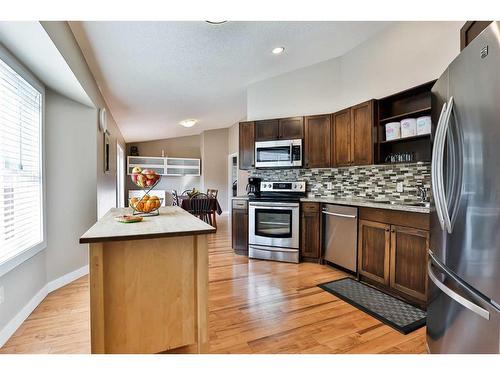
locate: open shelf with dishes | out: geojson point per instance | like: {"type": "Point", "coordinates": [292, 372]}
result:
{"type": "Point", "coordinates": [412, 103]}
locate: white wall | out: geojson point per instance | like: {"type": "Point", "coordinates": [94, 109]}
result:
{"type": "Point", "coordinates": [399, 57]}
{"type": "Point", "coordinates": [70, 139]}
{"type": "Point", "coordinates": [214, 151]}
{"type": "Point", "coordinates": [64, 40]}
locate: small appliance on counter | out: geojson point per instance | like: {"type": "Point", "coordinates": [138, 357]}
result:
{"type": "Point", "coordinates": [273, 221]}
{"type": "Point", "coordinates": [253, 187]}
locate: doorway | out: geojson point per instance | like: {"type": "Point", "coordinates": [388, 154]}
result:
{"type": "Point", "coordinates": [120, 176]}
{"type": "Point", "coordinates": [232, 178]}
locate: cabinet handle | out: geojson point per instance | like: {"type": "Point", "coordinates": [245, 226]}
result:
{"type": "Point", "coordinates": [387, 230]}
{"type": "Point", "coordinates": [392, 231]}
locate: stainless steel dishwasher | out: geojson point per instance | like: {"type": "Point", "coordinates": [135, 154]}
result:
{"type": "Point", "coordinates": [340, 235]}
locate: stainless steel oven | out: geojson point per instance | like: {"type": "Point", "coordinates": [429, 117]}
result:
{"type": "Point", "coordinates": [283, 153]}
{"type": "Point", "coordinates": [273, 222]}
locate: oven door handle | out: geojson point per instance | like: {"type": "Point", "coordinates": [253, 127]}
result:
{"type": "Point", "coordinates": [275, 205]}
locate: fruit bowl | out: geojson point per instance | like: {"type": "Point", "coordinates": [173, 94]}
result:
{"type": "Point", "coordinates": [146, 205]}
{"type": "Point", "coordinates": [145, 179]}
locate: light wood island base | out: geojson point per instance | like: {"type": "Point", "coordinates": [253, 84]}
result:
{"type": "Point", "coordinates": [150, 295]}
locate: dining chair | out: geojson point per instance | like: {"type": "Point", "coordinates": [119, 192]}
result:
{"type": "Point", "coordinates": [199, 205]}
{"type": "Point", "coordinates": [212, 193]}
{"type": "Point", "coordinates": [175, 198]}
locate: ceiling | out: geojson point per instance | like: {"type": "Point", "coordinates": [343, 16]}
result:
{"type": "Point", "coordinates": [155, 74]}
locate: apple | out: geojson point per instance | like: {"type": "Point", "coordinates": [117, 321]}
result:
{"type": "Point", "coordinates": [141, 180]}
{"type": "Point", "coordinates": [150, 182]}
{"type": "Point", "coordinates": [136, 170]}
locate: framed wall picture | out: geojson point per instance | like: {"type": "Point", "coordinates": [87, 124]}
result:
{"type": "Point", "coordinates": [107, 152]}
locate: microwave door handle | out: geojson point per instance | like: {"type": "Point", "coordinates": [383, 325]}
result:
{"type": "Point", "coordinates": [435, 165]}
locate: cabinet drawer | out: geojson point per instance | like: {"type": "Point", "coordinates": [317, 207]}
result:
{"type": "Point", "coordinates": [240, 204]}
{"type": "Point", "coordinates": [407, 219]}
{"type": "Point", "coordinates": [310, 207]}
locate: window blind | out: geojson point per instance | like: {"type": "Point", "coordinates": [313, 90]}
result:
{"type": "Point", "coordinates": [21, 219]}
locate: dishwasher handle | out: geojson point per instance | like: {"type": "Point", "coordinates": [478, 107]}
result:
{"type": "Point", "coordinates": [339, 215]}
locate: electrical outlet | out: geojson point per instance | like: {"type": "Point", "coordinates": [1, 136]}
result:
{"type": "Point", "coordinates": [329, 185]}
{"type": "Point", "coordinates": [2, 295]}
{"type": "Point", "coordinates": [399, 187]}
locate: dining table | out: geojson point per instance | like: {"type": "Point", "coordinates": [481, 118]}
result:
{"type": "Point", "coordinates": [185, 203]}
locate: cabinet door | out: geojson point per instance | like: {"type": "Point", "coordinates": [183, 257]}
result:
{"type": "Point", "coordinates": [362, 133]}
{"type": "Point", "coordinates": [291, 128]}
{"type": "Point", "coordinates": [310, 231]}
{"type": "Point", "coordinates": [317, 141]}
{"type": "Point", "coordinates": [341, 138]}
{"type": "Point", "coordinates": [239, 221]}
{"type": "Point", "coordinates": [409, 260]}
{"type": "Point", "coordinates": [266, 130]}
{"type": "Point", "coordinates": [374, 250]}
{"type": "Point", "coordinates": [247, 145]}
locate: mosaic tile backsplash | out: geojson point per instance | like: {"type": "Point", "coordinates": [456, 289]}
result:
{"type": "Point", "coordinates": [368, 182]}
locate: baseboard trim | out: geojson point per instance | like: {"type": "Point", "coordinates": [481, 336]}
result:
{"type": "Point", "coordinates": [12, 326]}
{"type": "Point", "coordinates": [66, 279]}
{"type": "Point", "coordinates": [21, 316]}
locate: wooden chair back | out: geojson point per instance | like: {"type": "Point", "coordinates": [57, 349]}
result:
{"type": "Point", "coordinates": [212, 193]}
{"type": "Point", "coordinates": [175, 198]}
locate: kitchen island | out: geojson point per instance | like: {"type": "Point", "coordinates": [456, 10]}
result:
{"type": "Point", "coordinates": [149, 283]}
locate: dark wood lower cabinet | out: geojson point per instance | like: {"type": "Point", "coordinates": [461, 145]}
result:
{"type": "Point", "coordinates": [239, 226]}
{"type": "Point", "coordinates": [408, 269]}
{"type": "Point", "coordinates": [374, 250]}
{"type": "Point", "coordinates": [310, 235]}
{"type": "Point", "coordinates": [392, 255]}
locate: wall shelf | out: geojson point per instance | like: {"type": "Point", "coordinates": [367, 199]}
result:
{"type": "Point", "coordinates": [415, 113]}
{"type": "Point", "coordinates": [407, 139]}
{"type": "Point", "coordinates": [413, 102]}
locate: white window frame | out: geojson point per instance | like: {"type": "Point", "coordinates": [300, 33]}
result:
{"type": "Point", "coordinates": [15, 260]}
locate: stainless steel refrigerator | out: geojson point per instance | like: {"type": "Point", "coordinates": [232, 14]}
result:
{"type": "Point", "coordinates": [464, 255]}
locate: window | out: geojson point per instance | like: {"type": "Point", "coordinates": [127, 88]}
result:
{"type": "Point", "coordinates": [21, 193]}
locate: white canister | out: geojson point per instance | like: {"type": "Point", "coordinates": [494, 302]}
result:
{"type": "Point", "coordinates": [424, 125]}
{"type": "Point", "coordinates": [392, 131]}
{"type": "Point", "coordinates": [408, 127]}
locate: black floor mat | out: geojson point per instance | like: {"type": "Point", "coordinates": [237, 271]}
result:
{"type": "Point", "coordinates": [392, 311]}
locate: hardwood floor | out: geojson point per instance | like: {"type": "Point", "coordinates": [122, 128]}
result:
{"type": "Point", "coordinates": [255, 307]}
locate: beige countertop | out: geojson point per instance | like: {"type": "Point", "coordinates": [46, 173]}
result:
{"type": "Point", "coordinates": [172, 222]}
{"type": "Point", "coordinates": [368, 203]}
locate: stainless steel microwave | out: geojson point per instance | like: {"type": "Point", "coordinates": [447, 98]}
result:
{"type": "Point", "coordinates": [282, 153]}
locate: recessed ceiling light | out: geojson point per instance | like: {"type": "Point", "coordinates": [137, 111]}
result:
{"type": "Point", "coordinates": [278, 50]}
{"type": "Point", "coordinates": [215, 22]}
{"type": "Point", "coordinates": [188, 122]}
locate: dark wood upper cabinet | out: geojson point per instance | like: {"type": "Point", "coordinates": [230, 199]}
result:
{"type": "Point", "coordinates": [317, 151]}
{"type": "Point", "coordinates": [267, 130]}
{"type": "Point", "coordinates": [291, 128]}
{"type": "Point", "coordinates": [362, 133]}
{"type": "Point", "coordinates": [354, 135]}
{"type": "Point", "coordinates": [408, 261]}
{"type": "Point", "coordinates": [284, 128]}
{"type": "Point", "coordinates": [247, 145]}
{"type": "Point", "coordinates": [341, 138]}
{"type": "Point", "coordinates": [470, 30]}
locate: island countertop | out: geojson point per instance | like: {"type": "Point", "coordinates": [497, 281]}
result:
{"type": "Point", "coordinates": [172, 222]}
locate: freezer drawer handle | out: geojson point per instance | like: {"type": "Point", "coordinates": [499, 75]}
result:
{"type": "Point", "coordinates": [457, 297]}
{"type": "Point", "coordinates": [340, 215]}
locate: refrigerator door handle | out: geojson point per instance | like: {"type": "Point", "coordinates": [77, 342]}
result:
{"type": "Point", "coordinates": [435, 165]}
{"type": "Point", "coordinates": [451, 293]}
{"type": "Point", "coordinates": [446, 126]}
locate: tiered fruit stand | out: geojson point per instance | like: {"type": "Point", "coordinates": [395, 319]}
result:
{"type": "Point", "coordinates": [147, 205]}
